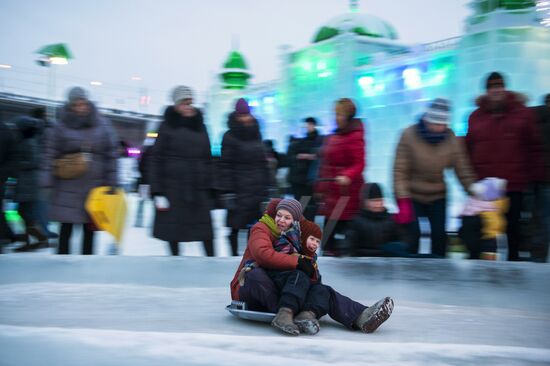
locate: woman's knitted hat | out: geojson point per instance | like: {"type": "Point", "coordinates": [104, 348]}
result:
{"type": "Point", "coordinates": [292, 206]}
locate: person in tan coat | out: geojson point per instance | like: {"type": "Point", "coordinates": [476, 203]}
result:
{"type": "Point", "coordinates": [424, 151]}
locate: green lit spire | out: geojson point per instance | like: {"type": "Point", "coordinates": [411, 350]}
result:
{"type": "Point", "coordinates": [235, 73]}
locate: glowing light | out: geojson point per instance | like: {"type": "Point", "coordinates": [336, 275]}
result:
{"type": "Point", "coordinates": [366, 81]}
{"type": "Point", "coordinates": [58, 61]}
{"type": "Point", "coordinates": [133, 151]}
{"type": "Point", "coordinates": [96, 83]}
{"type": "Point", "coordinates": [412, 77]}
{"type": "Point", "coordinates": [253, 103]}
{"type": "Point", "coordinates": [369, 87]}
{"type": "Point", "coordinates": [153, 135]}
{"type": "Point", "coordinates": [4, 66]}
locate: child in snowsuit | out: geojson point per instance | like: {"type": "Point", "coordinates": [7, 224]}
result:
{"type": "Point", "coordinates": [483, 218]}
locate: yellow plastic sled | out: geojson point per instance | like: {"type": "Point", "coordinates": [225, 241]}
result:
{"type": "Point", "coordinates": [108, 211]}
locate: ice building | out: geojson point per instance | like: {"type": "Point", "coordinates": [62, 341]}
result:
{"type": "Point", "coordinates": [360, 56]}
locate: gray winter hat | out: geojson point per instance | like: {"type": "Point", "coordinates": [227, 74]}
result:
{"type": "Point", "coordinates": [77, 93]}
{"type": "Point", "coordinates": [438, 112]}
{"type": "Point", "coordinates": [180, 93]}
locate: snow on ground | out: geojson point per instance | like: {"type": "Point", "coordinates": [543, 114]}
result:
{"type": "Point", "coordinates": [147, 308]}
{"type": "Point", "coordinates": [123, 310]}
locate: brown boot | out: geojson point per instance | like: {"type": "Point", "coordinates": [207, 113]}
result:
{"type": "Point", "coordinates": [307, 322]}
{"type": "Point", "coordinates": [373, 317]}
{"type": "Point", "coordinates": [284, 320]}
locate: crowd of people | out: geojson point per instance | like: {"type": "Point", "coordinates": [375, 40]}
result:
{"type": "Point", "coordinates": [56, 163]}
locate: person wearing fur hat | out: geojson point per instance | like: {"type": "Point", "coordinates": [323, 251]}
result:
{"type": "Point", "coordinates": [243, 173]}
{"type": "Point", "coordinates": [261, 260]}
{"type": "Point", "coordinates": [425, 150]}
{"type": "Point", "coordinates": [342, 159]}
{"type": "Point", "coordinates": [180, 176]}
{"type": "Point", "coordinates": [503, 142]}
{"type": "Point", "coordinates": [81, 129]}
{"type": "Point", "coordinates": [483, 218]}
{"type": "Point", "coordinates": [373, 232]}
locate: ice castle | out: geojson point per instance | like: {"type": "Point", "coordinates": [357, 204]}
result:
{"type": "Point", "coordinates": [360, 56]}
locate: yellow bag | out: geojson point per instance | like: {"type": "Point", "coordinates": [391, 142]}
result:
{"type": "Point", "coordinates": [108, 211]}
{"type": "Point", "coordinates": [71, 166]}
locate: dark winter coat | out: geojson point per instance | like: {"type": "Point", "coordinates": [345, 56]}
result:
{"type": "Point", "coordinates": [8, 151]}
{"type": "Point", "coordinates": [505, 144]}
{"type": "Point", "coordinates": [300, 170]}
{"type": "Point", "coordinates": [28, 159]}
{"type": "Point", "coordinates": [144, 164]}
{"type": "Point", "coordinates": [369, 231]}
{"type": "Point", "coordinates": [543, 116]}
{"type": "Point", "coordinates": [181, 172]}
{"type": "Point", "coordinates": [343, 153]}
{"type": "Point", "coordinates": [73, 134]}
{"type": "Point", "coordinates": [243, 170]}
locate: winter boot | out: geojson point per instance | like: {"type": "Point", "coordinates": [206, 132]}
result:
{"type": "Point", "coordinates": [285, 322]}
{"type": "Point", "coordinates": [27, 247]}
{"type": "Point", "coordinates": [307, 322]}
{"type": "Point", "coordinates": [373, 317]}
{"type": "Point", "coordinates": [40, 236]}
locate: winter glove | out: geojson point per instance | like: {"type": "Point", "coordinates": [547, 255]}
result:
{"type": "Point", "coordinates": [406, 211]}
{"type": "Point", "coordinates": [162, 203]}
{"type": "Point", "coordinates": [306, 265]}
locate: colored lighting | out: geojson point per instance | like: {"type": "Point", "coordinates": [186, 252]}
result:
{"type": "Point", "coordinates": [412, 77]}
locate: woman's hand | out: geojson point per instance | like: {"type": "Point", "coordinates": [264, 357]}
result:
{"type": "Point", "coordinates": [342, 180]}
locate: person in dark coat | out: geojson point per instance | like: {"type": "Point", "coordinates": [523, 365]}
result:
{"type": "Point", "coordinates": [8, 153]}
{"type": "Point", "coordinates": [541, 209]}
{"type": "Point", "coordinates": [303, 164]}
{"type": "Point", "coordinates": [243, 173]}
{"type": "Point", "coordinates": [503, 142]}
{"type": "Point", "coordinates": [341, 173]}
{"type": "Point", "coordinates": [373, 232]}
{"type": "Point", "coordinates": [41, 206]}
{"type": "Point", "coordinates": [181, 176]}
{"type": "Point", "coordinates": [80, 129]}
{"type": "Point", "coordinates": [26, 189]}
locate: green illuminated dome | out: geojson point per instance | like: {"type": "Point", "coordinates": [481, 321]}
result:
{"type": "Point", "coordinates": [361, 24]}
{"type": "Point", "coordinates": [486, 6]}
{"type": "Point", "coordinates": [235, 73]}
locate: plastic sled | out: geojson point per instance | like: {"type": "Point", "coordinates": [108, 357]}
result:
{"type": "Point", "coordinates": [239, 309]}
{"type": "Point", "coordinates": [108, 211]}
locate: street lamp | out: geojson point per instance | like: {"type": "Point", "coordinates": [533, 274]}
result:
{"type": "Point", "coordinates": [52, 55]}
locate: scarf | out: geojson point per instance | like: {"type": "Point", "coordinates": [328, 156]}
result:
{"type": "Point", "coordinates": [289, 241]}
{"type": "Point", "coordinates": [427, 135]}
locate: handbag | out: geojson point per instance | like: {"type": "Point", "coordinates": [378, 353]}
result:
{"type": "Point", "coordinates": [71, 166]}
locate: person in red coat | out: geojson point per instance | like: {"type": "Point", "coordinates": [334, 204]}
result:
{"type": "Point", "coordinates": [503, 142]}
{"type": "Point", "coordinates": [341, 173]}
